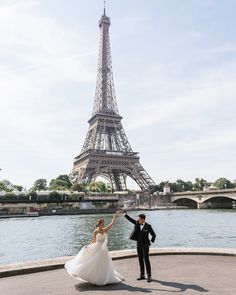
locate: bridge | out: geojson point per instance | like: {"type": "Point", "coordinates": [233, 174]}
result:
{"type": "Point", "coordinates": [222, 198]}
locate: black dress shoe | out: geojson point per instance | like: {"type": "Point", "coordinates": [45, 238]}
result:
{"type": "Point", "coordinates": [141, 278]}
{"type": "Point", "coordinates": [149, 279]}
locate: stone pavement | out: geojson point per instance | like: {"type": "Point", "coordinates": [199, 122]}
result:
{"type": "Point", "coordinates": [181, 274]}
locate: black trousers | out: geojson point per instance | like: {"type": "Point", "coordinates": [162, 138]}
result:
{"type": "Point", "coordinates": [143, 256]}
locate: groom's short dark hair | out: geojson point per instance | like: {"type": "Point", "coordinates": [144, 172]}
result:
{"type": "Point", "coordinates": [142, 216]}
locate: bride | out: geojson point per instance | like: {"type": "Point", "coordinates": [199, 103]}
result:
{"type": "Point", "coordinates": [93, 262]}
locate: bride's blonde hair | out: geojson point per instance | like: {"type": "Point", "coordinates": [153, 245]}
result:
{"type": "Point", "coordinates": [99, 221]}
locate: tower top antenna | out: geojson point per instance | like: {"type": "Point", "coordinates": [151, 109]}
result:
{"type": "Point", "coordinates": [104, 7]}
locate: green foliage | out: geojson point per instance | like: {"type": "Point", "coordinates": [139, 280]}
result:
{"type": "Point", "coordinates": [181, 186]}
{"type": "Point", "coordinates": [22, 197]}
{"type": "Point", "coordinates": [109, 188]}
{"type": "Point", "coordinates": [58, 185]}
{"type": "Point", "coordinates": [54, 196]}
{"type": "Point", "coordinates": [65, 178]}
{"type": "Point", "coordinates": [2, 186]}
{"type": "Point", "coordinates": [199, 184]}
{"type": "Point", "coordinates": [153, 188]}
{"type": "Point", "coordinates": [223, 183]}
{"type": "Point", "coordinates": [32, 194]}
{"type": "Point", "coordinates": [161, 186]}
{"type": "Point", "coordinates": [6, 186]}
{"type": "Point", "coordinates": [39, 185]}
{"type": "Point", "coordinates": [10, 196]}
{"type": "Point", "coordinates": [174, 187]}
{"type": "Point", "coordinates": [97, 186]}
{"type": "Point", "coordinates": [62, 182]}
{"type": "Point", "coordinates": [18, 187]}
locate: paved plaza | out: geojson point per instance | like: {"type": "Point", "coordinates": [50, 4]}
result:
{"type": "Point", "coordinates": [180, 274]}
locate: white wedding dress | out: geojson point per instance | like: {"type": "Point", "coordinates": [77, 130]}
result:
{"type": "Point", "coordinates": [93, 264]}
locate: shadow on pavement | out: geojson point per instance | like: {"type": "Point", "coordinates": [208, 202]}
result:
{"type": "Point", "coordinates": [86, 287]}
{"type": "Point", "coordinates": [180, 286]}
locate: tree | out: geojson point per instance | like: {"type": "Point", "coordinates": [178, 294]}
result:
{"type": "Point", "coordinates": [2, 186]}
{"type": "Point", "coordinates": [62, 182]}
{"type": "Point", "coordinates": [18, 187]}
{"type": "Point", "coordinates": [39, 185]}
{"type": "Point", "coordinates": [109, 187]}
{"type": "Point", "coordinates": [6, 186]}
{"type": "Point", "coordinates": [174, 187]}
{"type": "Point", "coordinates": [160, 187]}
{"type": "Point", "coordinates": [181, 186]}
{"type": "Point", "coordinates": [102, 186]}
{"type": "Point", "coordinates": [65, 178]}
{"type": "Point", "coordinates": [58, 185]}
{"type": "Point", "coordinates": [199, 184]}
{"type": "Point", "coordinates": [188, 186]}
{"type": "Point", "coordinates": [223, 183]}
{"type": "Point", "coordinates": [97, 186]}
{"type": "Point", "coordinates": [154, 188]}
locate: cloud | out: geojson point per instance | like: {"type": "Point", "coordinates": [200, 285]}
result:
{"type": "Point", "coordinates": [34, 44]}
{"type": "Point", "coordinates": [176, 91]}
{"type": "Point", "coordinates": [39, 58]}
{"type": "Point", "coordinates": [187, 108]}
{"type": "Point", "coordinates": [211, 143]}
{"type": "Point", "coordinates": [225, 48]}
{"type": "Point", "coordinates": [185, 125]}
{"type": "Point", "coordinates": [132, 22]}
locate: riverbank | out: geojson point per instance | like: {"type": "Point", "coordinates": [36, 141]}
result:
{"type": "Point", "coordinates": [60, 211]}
{"type": "Point", "coordinates": [53, 212]}
{"type": "Point", "coordinates": [174, 270]}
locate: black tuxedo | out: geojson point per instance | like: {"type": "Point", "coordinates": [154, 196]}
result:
{"type": "Point", "coordinates": [143, 243]}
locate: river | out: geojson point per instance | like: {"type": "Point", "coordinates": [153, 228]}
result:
{"type": "Point", "coordinates": [24, 239]}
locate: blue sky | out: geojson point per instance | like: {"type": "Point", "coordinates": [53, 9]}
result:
{"type": "Point", "coordinates": [174, 64]}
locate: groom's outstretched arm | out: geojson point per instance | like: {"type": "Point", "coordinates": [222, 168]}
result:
{"type": "Point", "coordinates": [129, 218]}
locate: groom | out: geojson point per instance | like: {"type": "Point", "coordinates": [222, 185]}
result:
{"type": "Point", "coordinates": [140, 234]}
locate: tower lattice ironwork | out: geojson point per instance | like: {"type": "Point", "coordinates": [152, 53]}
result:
{"type": "Point", "coordinates": [106, 151]}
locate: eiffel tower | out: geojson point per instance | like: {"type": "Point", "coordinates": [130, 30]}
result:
{"type": "Point", "coordinates": [106, 151]}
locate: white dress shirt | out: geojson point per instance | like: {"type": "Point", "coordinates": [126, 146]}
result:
{"type": "Point", "coordinates": [142, 226]}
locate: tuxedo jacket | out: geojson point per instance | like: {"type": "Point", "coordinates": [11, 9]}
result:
{"type": "Point", "coordinates": [141, 236]}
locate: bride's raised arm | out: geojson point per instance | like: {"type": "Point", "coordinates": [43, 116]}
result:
{"type": "Point", "coordinates": [106, 229]}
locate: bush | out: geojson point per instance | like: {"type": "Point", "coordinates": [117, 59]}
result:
{"type": "Point", "coordinates": [10, 196]}
{"type": "Point", "coordinates": [55, 196]}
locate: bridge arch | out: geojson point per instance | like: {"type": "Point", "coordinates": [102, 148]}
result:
{"type": "Point", "coordinates": [220, 196]}
{"type": "Point", "coordinates": [186, 202]}
{"type": "Point", "coordinates": [226, 202]}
